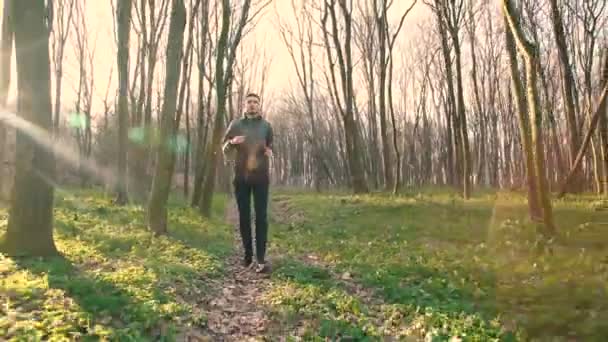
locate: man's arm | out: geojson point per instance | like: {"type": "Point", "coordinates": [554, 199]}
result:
{"type": "Point", "coordinates": [226, 145]}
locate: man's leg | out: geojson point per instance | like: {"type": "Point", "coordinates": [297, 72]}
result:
{"type": "Point", "coordinates": [242, 192]}
{"type": "Point", "coordinates": [260, 198]}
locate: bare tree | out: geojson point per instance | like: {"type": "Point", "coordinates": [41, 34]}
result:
{"type": "Point", "coordinates": [568, 86]}
{"type": "Point", "coordinates": [524, 124]}
{"type": "Point", "coordinates": [227, 47]}
{"type": "Point", "coordinates": [453, 123]}
{"type": "Point", "coordinates": [6, 52]}
{"type": "Point", "coordinates": [344, 99]}
{"type": "Point", "coordinates": [600, 111]}
{"type": "Point", "coordinates": [530, 54]}
{"type": "Point", "coordinates": [365, 38]}
{"type": "Point", "coordinates": [63, 11]}
{"type": "Point", "coordinates": [604, 130]}
{"type": "Point", "coordinates": [203, 51]}
{"type": "Point", "coordinates": [123, 20]}
{"type": "Point", "coordinates": [386, 41]}
{"type": "Point", "coordinates": [161, 185]}
{"type": "Point", "coordinates": [300, 45]}
{"type": "Point", "coordinates": [84, 97]}
{"type": "Point", "coordinates": [451, 15]}
{"type": "Point", "coordinates": [30, 222]}
{"type": "Point", "coordinates": [590, 15]}
{"type": "Point", "coordinates": [184, 88]}
{"type": "Point", "coordinates": [151, 17]}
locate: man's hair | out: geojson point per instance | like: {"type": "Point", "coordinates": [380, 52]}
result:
{"type": "Point", "coordinates": [253, 95]}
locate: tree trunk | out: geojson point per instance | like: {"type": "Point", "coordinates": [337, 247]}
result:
{"type": "Point", "coordinates": [218, 125]}
{"type": "Point", "coordinates": [123, 18]}
{"type": "Point", "coordinates": [187, 152]}
{"type": "Point", "coordinates": [30, 222]}
{"type": "Point", "coordinates": [530, 52]}
{"type": "Point", "coordinates": [397, 183]}
{"type": "Point", "coordinates": [568, 88]}
{"type": "Point", "coordinates": [481, 162]}
{"type": "Point", "coordinates": [138, 182]}
{"type": "Point", "coordinates": [6, 52]}
{"type": "Point", "coordinates": [454, 152]}
{"type": "Point", "coordinates": [464, 136]}
{"type": "Point", "coordinates": [603, 122]}
{"type": "Point", "coordinates": [601, 110]}
{"type": "Point", "coordinates": [201, 129]}
{"type": "Point", "coordinates": [163, 174]}
{"type": "Point", "coordinates": [595, 157]}
{"type": "Point", "coordinates": [524, 125]}
{"type": "Point", "coordinates": [184, 89]}
{"type": "Point", "coordinates": [382, 79]}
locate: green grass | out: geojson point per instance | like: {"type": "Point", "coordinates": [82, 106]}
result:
{"type": "Point", "coordinates": [422, 265]}
{"type": "Point", "coordinates": [442, 266]}
{"type": "Point", "coordinates": [114, 280]}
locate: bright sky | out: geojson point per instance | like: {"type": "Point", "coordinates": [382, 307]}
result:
{"type": "Point", "coordinates": [100, 27]}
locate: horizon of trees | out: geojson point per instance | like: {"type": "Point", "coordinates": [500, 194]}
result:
{"type": "Point", "coordinates": [502, 94]}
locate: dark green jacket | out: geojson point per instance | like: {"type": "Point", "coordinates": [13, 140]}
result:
{"type": "Point", "coordinates": [250, 162]}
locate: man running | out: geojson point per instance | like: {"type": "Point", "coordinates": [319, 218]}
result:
{"type": "Point", "coordinates": [250, 139]}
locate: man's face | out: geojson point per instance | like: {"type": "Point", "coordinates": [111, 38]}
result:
{"type": "Point", "coordinates": [252, 104]}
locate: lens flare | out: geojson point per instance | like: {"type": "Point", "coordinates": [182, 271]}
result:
{"type": "Point", "coordinates": [63, 151]}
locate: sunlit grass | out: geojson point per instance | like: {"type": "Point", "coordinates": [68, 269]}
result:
{"type": "Point", "coordinates": [426, 265]}
{"type": "Point", "coordinates": [114, 280]}
{"type": "Point", "coordinates": [454, 267]}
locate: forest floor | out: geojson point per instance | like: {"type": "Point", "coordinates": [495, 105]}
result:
{"type": "Point", "coordinates": [419, 266]}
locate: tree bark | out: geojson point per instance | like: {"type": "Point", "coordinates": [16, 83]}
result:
{"type": "Point", "coordinates": [530, 53]}
{"type": "Point", "coordinates": [481, 161]}
{"type": "Point", "coordinates": [600, 111]}
{"type": "Point", "coordinates": [226, 51]}
{"type": "Point", "coordinates": [344, 56]}
{"type": "Point", "coordinates": [568, 88]}
{"type": "Point", "coordinates": [187, 153]}
{"type": "Point", "coordinates": [524, 124]}
{"type": "Point", "coordinates": [455, 151]}
{"type": "Point", "coordinates": [603, 121]}
{"type": "Point", "coordinates": [163, 174]}
{"type": "Point", "coordinates": [6, 52]}
{"type": "Point", "coordinates": [381, 18]}
{"type": "Point", "coordinates": [397, 183]}
{"type": "Point", "coordinates": [30, 222]}
{"type": "Point", "coordinates": [123, 18]}
{"type": "Point", "coordinates": [184, 87]}
{"type": "Point", "coordinates": [202, 105]}
{"type": "Point", "coordinates": [450, 16]}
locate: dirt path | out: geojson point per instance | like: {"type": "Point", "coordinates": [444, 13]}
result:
{"type": "Point", "coordinates": [233, 313]}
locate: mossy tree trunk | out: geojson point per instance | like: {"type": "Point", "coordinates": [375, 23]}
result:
{"type": "Point", "coordinates": [30, 222]}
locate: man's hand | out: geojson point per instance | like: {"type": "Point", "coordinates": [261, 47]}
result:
{"type": "Point", "coordinates": [268, 152]}
{"type": "Point", "coordinates": [237, 140]}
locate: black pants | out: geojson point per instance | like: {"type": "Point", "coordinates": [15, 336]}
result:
{"type": "Point", "coordinates": [243, 191]}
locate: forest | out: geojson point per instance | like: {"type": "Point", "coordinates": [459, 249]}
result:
{"type": "Point", "coordinates": [439, 170]}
